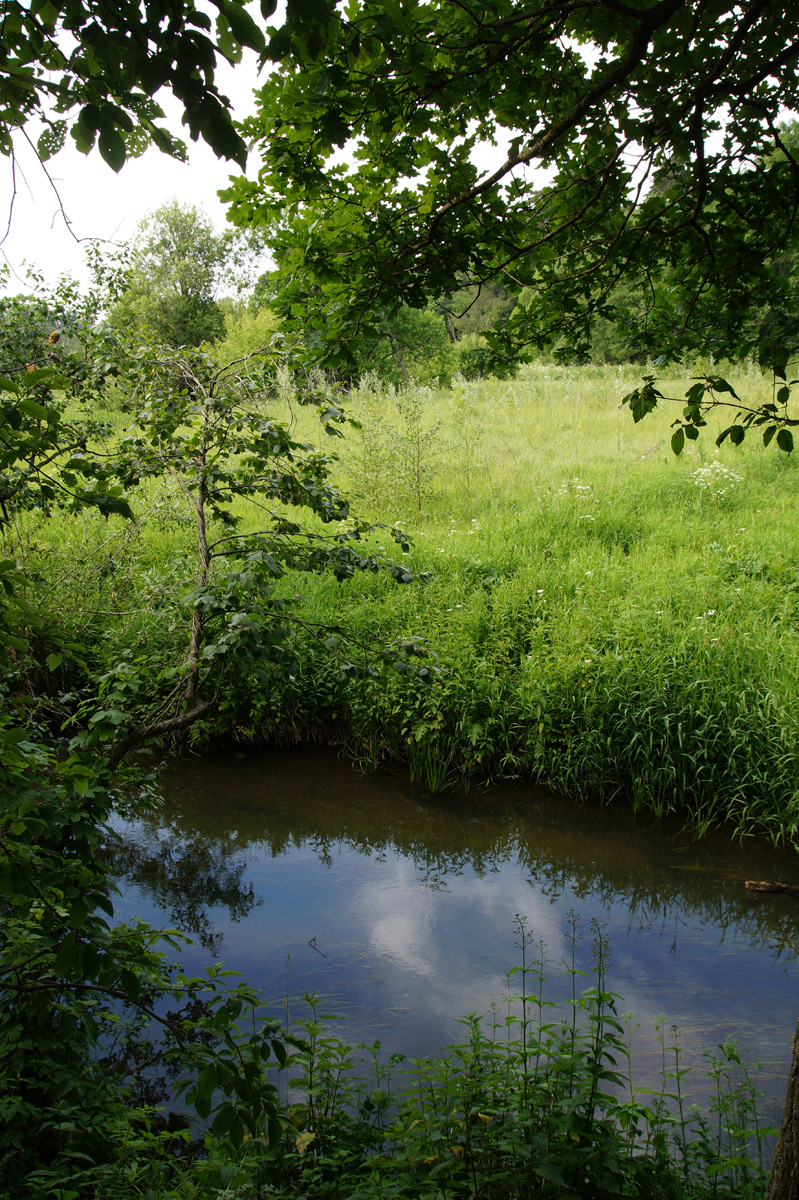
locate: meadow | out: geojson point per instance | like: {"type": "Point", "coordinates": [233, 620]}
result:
{"type": "Point", "coordinates": [600, 616]}
{"type": "Point", "coordinates": [603, 617]}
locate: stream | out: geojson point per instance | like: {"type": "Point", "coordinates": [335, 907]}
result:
{"type": "Point", "coordinates": [401, 908]}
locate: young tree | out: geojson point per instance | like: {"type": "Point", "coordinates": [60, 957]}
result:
{"type": "Point", "coordinates": [178, 262]}
{"type": "Point", "coordinates": [209, 432]}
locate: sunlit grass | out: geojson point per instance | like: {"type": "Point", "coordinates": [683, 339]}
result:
{"type": "Point", "coordinates": [607, 618]}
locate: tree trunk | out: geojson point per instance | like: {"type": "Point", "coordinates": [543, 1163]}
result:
{"type": "Point", "coordinates": [783, 1183]}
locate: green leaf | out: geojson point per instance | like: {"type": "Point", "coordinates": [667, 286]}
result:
{"type": "Point", "coordinates": [737, 434]}
{"type": "Point", "coordinates": [242, 26]}
{"type": "Point", "coordinates": [66, 960]}
{"type": "Point", "coordinates": [274, 1129]}
{"type": "Point", "coordinates": [236, 1133]}
{"type": "Point", "coordinates": [130, 984]}
{"type": "Point", "coordinates": [785, 440]}
{"type": "Point", "coordinates": [32, 409]}
{"type": "Point", "coordinates": [44, 377]}
{"type": "Point", "coordinates": [224, 141]}
{"type": "Point", "coordinates": [224, 1118]}
{"type": "Point", "coordinates": [207, 1081]}
{"type": "Point", "coordinates": [678, 440]}
{"type": "Point", "coordinates": [768, 434]}
{"type": "Point", "coordinates": [112, 148]}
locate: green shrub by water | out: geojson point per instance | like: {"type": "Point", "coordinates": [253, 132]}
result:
{"type": "Point", "coordinates": [605, 618]}
{"type": "Point", "coordinates": [534, 1101]}
{"type": "Point", "coordinates": [530, 1103]}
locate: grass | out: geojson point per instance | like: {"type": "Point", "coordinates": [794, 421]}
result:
{"type": "Point", "coordinates": [606, 619]}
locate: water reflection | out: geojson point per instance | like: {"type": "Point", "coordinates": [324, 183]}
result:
{"type": "Point", "coordinates": [398, 907]}
{"type": "Point", "coordinates": [185, 878]}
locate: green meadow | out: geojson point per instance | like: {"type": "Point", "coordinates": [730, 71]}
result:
{"type": "Point", "coordinates": [603, 618]}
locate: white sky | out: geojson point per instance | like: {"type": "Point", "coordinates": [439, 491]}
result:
{"type": "Point", "coordinates": [101, 204]}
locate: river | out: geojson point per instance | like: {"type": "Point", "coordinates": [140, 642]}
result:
{"type": "Point", "coordinates": [400, 908]}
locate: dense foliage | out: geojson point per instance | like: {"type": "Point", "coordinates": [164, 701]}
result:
{"type": "Point", "coordinates": [94, 69]}
{"type": "Point", "coordinates": [655, 127]}
{"type": "Point", "coordinates": [528, 1104]}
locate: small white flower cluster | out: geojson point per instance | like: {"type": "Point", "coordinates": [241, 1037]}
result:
{"type": "Point", "coordinates": [716, 479]}
{"type": "Point", "coordinates": [575, 487]}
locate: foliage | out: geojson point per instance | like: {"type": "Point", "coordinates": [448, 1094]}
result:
{"type": "Point", "coordinates": [531, 1103]}
{"type": "Point", "coordinates": [71, 981]}
{"type": "Point", "coordinates": [93, 70]}
{"type": "Point", "coordinates": [209, 432]}
{"type": "Point", "coordinates": [656, 126]}
{"type": "Point", "coordinates": [246, 329]}
{"type": "Point", "coordinates": [398, 443]}
{"type": "Point", "coordinates": [55, 359]}
{"type": "Point", "coordinates": [177, 263]}
{"type": "Point", "coordinates": [404, 347]}
{"type": "Point", "coordinates": [711, 392]}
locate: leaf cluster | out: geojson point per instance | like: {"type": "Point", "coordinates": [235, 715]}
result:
{"type": "Point", "coordinates": [93, 70]}
{"type": "Point", "coordinates": [655, 126]}
{"type": "Point", "coordinates": [72, 982]}
{"type": "Point", "coordinates": [773, 418]}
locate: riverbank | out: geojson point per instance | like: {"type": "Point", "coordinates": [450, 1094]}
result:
{"type": "Point", "coordinates": [601, 617]}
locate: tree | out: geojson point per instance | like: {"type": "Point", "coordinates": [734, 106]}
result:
{"type": "Point", "coordinates": [178, 262]}
{"type": "Point", "coordinates": [606, 98]}
{"type": "Point", "coordinates": [93, 69]}
{"type": "Point", "coordinates": [207, 430]}
{"type": "Point", "coordinates": [657, 125]}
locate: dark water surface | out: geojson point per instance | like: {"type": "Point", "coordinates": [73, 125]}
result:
{"type": "Point", "coordinates": [398, 907]}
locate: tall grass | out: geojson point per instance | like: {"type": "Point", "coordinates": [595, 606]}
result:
{"type": "Point", "coordinates": [607, 619]}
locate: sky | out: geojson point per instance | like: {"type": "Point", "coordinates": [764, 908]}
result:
{"type": "Point", "coordinates": [45, 229]}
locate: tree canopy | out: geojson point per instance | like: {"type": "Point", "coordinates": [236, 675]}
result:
{"type": "Point", "coordinates": [178, 262]}
{"type": "Point", "coordinates": [94, 69]}
{"type": "Point", "coordinates": [656, 128]}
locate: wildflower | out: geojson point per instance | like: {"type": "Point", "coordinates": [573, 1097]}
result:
{"type": "Point", "coordinates": [716, 479]}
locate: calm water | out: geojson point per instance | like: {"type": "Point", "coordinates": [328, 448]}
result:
{"type": "Point", "coordinates": [399, 907]}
